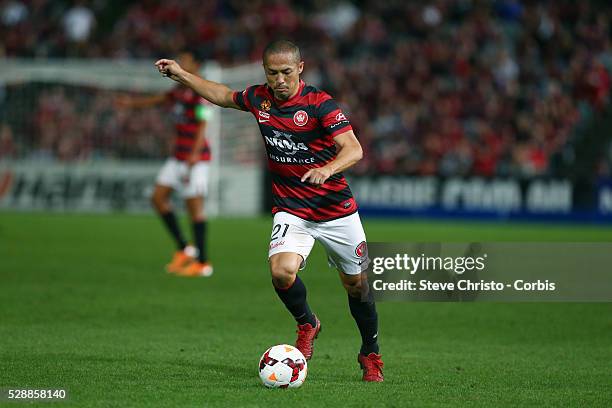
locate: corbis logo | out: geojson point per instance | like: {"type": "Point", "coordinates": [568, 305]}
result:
{"type": "Point", "coordinates": [300, 118]}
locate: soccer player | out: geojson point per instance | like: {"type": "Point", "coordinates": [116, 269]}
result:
{"type": "Point", "coordinates": [309, 142]}
{"type": "Point", "coordinates": [186, 171]}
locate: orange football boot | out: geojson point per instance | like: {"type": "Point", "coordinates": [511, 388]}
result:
{"type": "Point", "coordinates": [196, 269]}
{"type": "Point", "coordinates": [181, 259]}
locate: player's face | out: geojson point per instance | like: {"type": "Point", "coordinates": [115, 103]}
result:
{"type": "Point", "coordinates": [283, 74]}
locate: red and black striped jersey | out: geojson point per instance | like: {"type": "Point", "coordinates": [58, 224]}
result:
{"type": "Point", "coordinates": [189, 111]}
{"type": "Point", "coordinates": [299, 135]}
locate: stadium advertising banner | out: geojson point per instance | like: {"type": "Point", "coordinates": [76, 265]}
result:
{"type": "Point", "coordinates": [508, 198]}
{"type": "Point", "coordinates": [99, 187]}
{"type": "Point", "coordinates": [108, 186]}
{"type": "Point", "coordinates": [127, 186]}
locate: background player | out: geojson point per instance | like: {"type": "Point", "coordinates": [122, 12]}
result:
{"type": "Point", "coordinates": [186, 171]}
{"type": "Point", "coordinates": [309, 143]}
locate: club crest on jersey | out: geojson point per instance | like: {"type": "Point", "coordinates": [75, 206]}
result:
{"type": "Point", "coordinates": [362, 249]}
{"type": "Point", "coordinates": [300, 118]}
{"type": "Point", "coordinates": [340, 117]}
{"type": "Point", "coordinates": [265, 105]}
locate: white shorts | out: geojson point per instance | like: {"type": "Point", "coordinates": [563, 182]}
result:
{"type": "Point", "coordinates": [188, 182]}
{"type": "Point", "coordinates": [343, 239]}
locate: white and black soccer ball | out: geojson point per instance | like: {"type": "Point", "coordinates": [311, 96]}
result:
{"type": "Point", "coordinates": [282, 366]}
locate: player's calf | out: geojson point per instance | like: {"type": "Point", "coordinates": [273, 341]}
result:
{"type": "Point", "coordinates": [292, 292]}
{"type": "Point", "coordinates": [363, 310]}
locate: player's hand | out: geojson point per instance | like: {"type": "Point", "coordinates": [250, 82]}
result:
{"type": "Point", "coordinates": [169, 68]}
{"type": "Point", "coordinates": [317, 176]}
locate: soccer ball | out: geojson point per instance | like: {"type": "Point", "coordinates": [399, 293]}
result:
{"type": "Point", "coordinates": [282, 366]}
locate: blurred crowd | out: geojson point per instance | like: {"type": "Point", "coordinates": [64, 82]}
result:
{"type": "Point", "coordinates": [82, 123]}
{"type": "Point", "coordinates": [449, 87]}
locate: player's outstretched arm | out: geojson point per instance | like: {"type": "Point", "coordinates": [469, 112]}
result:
{"type": "Point", "coordinates": [214, 92]}
{"type": "Point", "coordinates": [349, 152]}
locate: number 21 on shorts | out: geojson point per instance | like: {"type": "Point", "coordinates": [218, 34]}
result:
{"type": "Point", "coordinates": [277, 228]}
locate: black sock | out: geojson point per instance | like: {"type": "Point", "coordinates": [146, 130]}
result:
{"type": "Point", "coordinates": [199, 237]}
{"type": "Point", "coordinates": [366, 317]}
{"type": "Point", "coordinates": [294, 298]}
{"type": "Point", "coordinates": [172, 225]}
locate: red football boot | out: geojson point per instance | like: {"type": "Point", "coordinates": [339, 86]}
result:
{"type": "Point", "coordinates": [306, 336]}
{"type": "Point", "coordinates": [372, 367]}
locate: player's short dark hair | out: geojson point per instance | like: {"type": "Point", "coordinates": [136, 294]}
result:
{"type": "Point", "coordinates": [281, 47]}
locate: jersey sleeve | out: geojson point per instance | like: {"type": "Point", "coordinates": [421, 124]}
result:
{"type": "Point", "coordinates": [244, 99]}
{"type": "Point", "coordinates": [331, 117]}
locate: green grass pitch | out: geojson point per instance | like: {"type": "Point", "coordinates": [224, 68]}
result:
{"type": "Point", "coordinates": [85, 305]}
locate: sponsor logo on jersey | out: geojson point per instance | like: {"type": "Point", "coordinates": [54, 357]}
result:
{"type": "Point", "coordinates": [284, 142]}
{"type": "Point", "coordinates": [300, 118]}
{"type": "Point", "coordinates": [362, 249]}
{"type": "Point", "coordinates": [265, 105]}
{"type": "Point", "coordinates": [340, 120]}
{"type": "Point", "coordinates": [291, 159]}
{"type": "Point", "coordinates": [276, 244]}
{"type": "Point", "coordinates": [263, 117]}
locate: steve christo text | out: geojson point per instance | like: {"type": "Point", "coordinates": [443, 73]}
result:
{"type": "Point", "coordinates": [425, 285]}
{"type": "Point", "coordinates": [459, 265]}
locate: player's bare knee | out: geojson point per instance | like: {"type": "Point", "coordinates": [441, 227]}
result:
{"type": "Point", "coordinates": [156, 202]}
{"type": "Point", "coordinates": [283, 272]}
{"type": "Point", "coordinates": [353, 287]}
{"type": "Point", "coordinates": [159, 203]}
{"type": "Point", "coordinates": [195, 208]}
{"type": "Point", "coordinates": [282, 278]}
{"type": "Point", "coordinates": [197, 216]}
